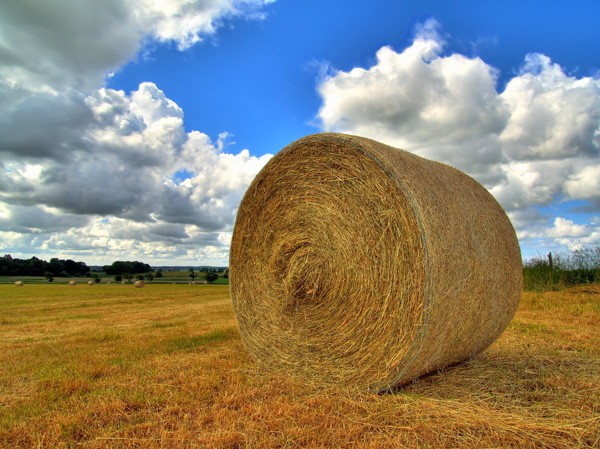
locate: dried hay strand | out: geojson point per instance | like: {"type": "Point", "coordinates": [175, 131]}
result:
{"type": "Point", "coordinates": [356, 263]}
{"type": "Point", "coordinates": [19, 283]}
{"type": "Point", "coordinates": [139, 284]}
{"type": "Point", "coordinates": [72, 283]}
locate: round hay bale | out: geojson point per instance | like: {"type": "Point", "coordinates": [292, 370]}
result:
{"type": "Point", "coordinates": [19, 283]}
{"type": "Point", "coordinates": [357, 263]}
{"type": "Point", "coordinates": [72, 283]}
{"type": "Point", "coordinates": [90, 282]}
{"type": "Point", "coordinates": [139, 284]}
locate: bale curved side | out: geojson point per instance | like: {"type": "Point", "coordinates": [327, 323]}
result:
{"type": "Point", "coordinates": [355, 262]}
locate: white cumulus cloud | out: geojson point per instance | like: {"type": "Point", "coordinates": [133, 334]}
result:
{"type": "Point", "coordinates": [573, 235]}
{"type": "Point", "coordinates": [534, 143]}
{"type": "Point", "coordinates": [585, 184]}
{"type": "Point", "coordinates": [126, 161]}
{"type": "Point", "coordinates": [56, 45]}
{"type": "Point", "coordinates": [100, 172]}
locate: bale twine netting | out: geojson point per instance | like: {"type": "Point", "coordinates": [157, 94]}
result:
{"type": "Point", "coordinates": [356, 263]}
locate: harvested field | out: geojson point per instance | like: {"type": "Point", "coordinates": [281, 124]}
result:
{"type": "Point", "coordinates": [164, 366]}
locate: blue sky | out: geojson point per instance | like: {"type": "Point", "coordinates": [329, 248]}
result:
{"type": "Point", "coordinates": [131, 129]}
{"type": "Point", "coordinates": [257, 80]}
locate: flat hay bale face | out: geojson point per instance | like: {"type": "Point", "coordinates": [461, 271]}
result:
{"type": "Point", "coordinates": [330, 266]}
{"type": "Point", "coordinates": [321, 262]}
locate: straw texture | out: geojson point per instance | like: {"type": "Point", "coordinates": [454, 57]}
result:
{"type": "Point", "coordinates": [357, 263]}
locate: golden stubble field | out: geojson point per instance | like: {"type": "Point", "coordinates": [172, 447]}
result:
{"type": "Point", "coordinates": [110, 366]}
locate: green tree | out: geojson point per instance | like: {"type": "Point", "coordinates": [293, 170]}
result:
{"type": "Point", "coordinates": [211, 277]}
{"type": "Point", "coordinates": [158, 273]}
{"type": "Point", "coordinates": [48, 275]}
{"type": "Point", "coordinates": [118, 278]}
{"type": "Point", "coordinates": [193, 274]}
{"type": "Point", "coordinates": [150, 277]}
{"type": "Point", "coordinates": [122, 267]}
{"type": "Point", "coordinates": [97, 280]}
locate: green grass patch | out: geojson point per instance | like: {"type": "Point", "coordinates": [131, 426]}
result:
{"type": "Point", "coordinates": [165, 324]}
{"type": "Point", "coordinates": [530, 328]}
{"type": "Point", "coordinates": [193, 342]}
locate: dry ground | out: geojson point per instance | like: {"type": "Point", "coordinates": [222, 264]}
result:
{"type": "Point", "coordinates": [164, 367]}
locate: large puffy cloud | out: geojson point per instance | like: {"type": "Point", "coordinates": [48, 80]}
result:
{"type": "Point", "coordinates": [444, 108]}
{"type": "Point", "coordinates": [134, 184]}
{"type": "Point", "coordinates": [534, 144]}
{"type": "Point", "coordinates": [186, 21]}
{"type": "Point", "coordinates": [37, 219]}
{"type": "Point", "coordinates": [564, 232]}
{"type": "Point", "coordinates": [43, 125]}
{"type": "Point", "coordinates": [55, 45]}
{"type": "Point", "coordinates": [585, 184]}
{"type": "Point", "coordinates": [552, 115]}
{"type": "Point", "coordinates": [136, 165]}
{"type": "Point", "coordinates": [102, 173]}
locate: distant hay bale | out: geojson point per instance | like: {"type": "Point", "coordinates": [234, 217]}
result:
{"type": "Point", "coordinates": [90, 282]}
{"type": "Point", "coordinates": [357, 263]}
{"type": "Point", "coordinates": [139, 284]}
{"type": "Point", "coordinates": [72, 283]}
{"type": "Point", "coordinates": [19, 283]}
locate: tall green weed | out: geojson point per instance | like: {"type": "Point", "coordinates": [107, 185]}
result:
{"type": "Point", "coordinates": [565, 269]}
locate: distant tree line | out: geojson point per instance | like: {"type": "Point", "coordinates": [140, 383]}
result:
{"type": "Point", "coordinates": [10, 266]}
{"type": "Point", "coordinates": [123, 267]}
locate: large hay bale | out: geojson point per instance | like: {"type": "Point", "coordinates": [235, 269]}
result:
{"type": "Point", "coordinates": [357, 263]}
{"type": "Point", "coordinates": [72, 283]}
{"type": "Point", "coordinates": [139, 284]}
{"type": "Point", "coordinates": [19, 283]}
